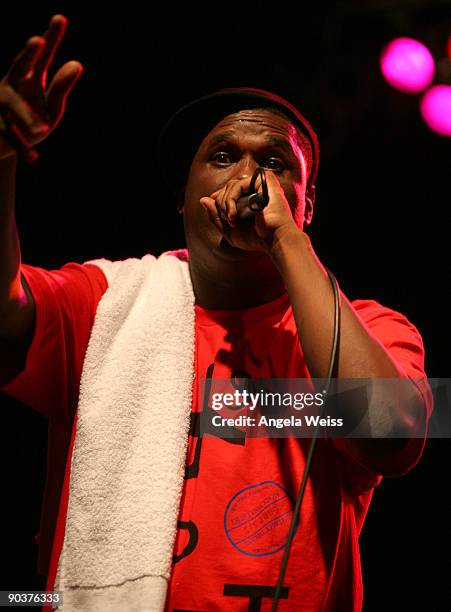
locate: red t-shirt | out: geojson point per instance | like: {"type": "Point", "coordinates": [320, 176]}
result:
{"type": "Point", "coordinates": [238, 494]}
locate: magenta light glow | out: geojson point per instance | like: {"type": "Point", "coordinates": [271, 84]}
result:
{"type": "Point", "coordinates": [407, 65]}
{"type": "Point", "coordinates": [435, 108]}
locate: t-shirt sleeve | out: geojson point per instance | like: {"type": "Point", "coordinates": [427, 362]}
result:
{"type": "Point", "coordinates": [66, 301]}
{"type": "Point", "coordinates": [403, 342]}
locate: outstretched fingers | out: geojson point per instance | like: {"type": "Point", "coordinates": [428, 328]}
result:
{"type": "Point", "coordinates": [60, 87]}
{"type": "Point", "coordinates": [53, 36]}
{"type": "Point", "coordinates": [25, 61]}
{"type": "Point", "coordinates": [28, 113]}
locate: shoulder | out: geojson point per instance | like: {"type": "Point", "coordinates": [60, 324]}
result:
{"type": "Point", "coordinates": [389, 323]}
{"type": "Point", "coordinates": [118, 271]}
{"type": "Point", "coordinates": [371, 309]}
{"type": "Point", "coordinates": [398, 335]}
{"type": "Point", "coordinates": [114, 269]}
{"type": "Point", "coordinates": [72, 281]}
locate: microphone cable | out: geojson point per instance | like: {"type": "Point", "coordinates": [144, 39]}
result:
{"type": "Point", "coordinates": [333, 371]}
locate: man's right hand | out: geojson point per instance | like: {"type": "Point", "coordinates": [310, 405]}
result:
{"type": "Point", "coordinates": [29, 111]}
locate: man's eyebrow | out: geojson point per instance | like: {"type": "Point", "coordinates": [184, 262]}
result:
{"type": "Point", "coordinates": [283, 143]}
{"type": "Point", "coordinates": [221, 137]}
{"type": "Point", "coordinates": [274, 141]}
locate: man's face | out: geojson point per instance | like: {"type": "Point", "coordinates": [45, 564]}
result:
{"type": "Point", "coordinates": [235, 147]}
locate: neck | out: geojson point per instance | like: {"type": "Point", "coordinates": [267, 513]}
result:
{"type": "Point", "coordinates": [233, 286]}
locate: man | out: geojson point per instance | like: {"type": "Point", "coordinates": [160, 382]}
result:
{"type": "Point", "coordinates": [262, 308]}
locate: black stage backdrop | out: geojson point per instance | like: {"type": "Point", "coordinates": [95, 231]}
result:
{"type": "Point", "coordinates": [381, 223]}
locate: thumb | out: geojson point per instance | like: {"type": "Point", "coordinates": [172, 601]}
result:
{"type": "Point", "coordinates": [60, 87]}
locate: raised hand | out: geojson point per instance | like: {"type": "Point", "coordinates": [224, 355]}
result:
{"type": "Point", "coordinates": [29, 111]}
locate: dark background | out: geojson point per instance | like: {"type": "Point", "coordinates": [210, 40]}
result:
{"type": "Point", "coordinates": [381, 223]}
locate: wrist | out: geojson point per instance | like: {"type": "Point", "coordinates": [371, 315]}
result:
{"type": "Point", "coordinates": [284, 239]}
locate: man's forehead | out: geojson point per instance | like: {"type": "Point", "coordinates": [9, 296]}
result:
{"type": "Point", "coordinates": [258, 121]}
{"type": "Point", "coordinates": [259, 124]}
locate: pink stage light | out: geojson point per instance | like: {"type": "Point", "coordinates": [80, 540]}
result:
{"type": "Point", "coordinates": [407, 65]}
{"type": "Point", "coordinates": [435, 108]}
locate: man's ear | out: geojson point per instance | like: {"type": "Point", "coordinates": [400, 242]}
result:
{"type": "Point", "coordinates": [309, 204]}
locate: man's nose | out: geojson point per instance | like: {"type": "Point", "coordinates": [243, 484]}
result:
{"type": "Point", "coordinates": [245, 169]}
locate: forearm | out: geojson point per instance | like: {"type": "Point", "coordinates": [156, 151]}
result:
{"type": "Point", "coordinates": [360, 354]}
{"type": "Point", "coordinates": [11, 291]}
{"type": "Point", "coordinates": [311, 296]}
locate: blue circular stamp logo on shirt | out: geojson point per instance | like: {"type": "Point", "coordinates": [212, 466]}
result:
{"type": "Point", "coordinates": [257, 519]}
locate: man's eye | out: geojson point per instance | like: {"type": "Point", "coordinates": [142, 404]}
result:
{"type": "Point", "coordinates": [273, 163]}
{"type": "Point", "coordinates": [221, 158]}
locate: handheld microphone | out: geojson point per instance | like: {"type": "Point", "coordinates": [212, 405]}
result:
{"type": "Point", "coordinates": [251, 204]}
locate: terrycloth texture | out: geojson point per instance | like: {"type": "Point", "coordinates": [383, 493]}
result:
{"type": "Point", "coordinates": [129, 452]}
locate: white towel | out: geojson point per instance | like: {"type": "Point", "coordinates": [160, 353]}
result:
{"type": "Point", "coordinates": [128, 460]}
